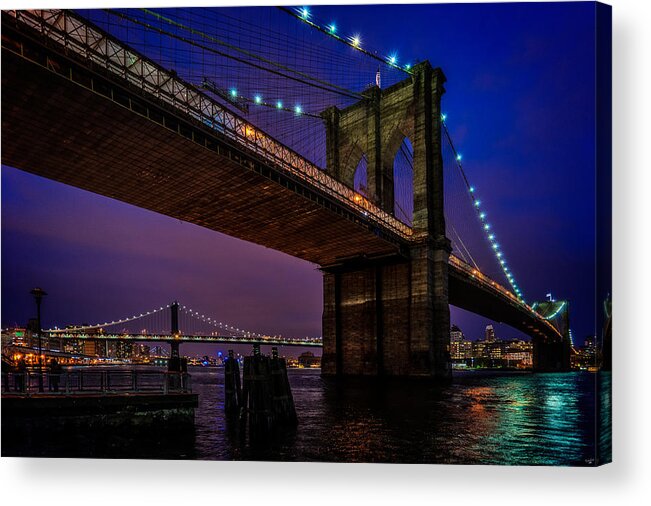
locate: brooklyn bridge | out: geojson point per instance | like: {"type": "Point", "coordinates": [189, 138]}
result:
{"type": "Point", "coordinates": [369, 186]}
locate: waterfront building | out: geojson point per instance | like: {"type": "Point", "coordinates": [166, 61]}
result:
{"type": "Point", "coordinates": [587, 356]}
{"type": "Point", "coordinates": [490, 334]}
{"type": "Point", "coordinates": [307, 359]}
{"type": "Point", "coordinates": [457, 347]}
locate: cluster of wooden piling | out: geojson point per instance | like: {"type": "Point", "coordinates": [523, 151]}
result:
{"type": "Point", "coordinates": [264, 402]}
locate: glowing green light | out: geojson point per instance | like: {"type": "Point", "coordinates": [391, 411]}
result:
{"type": "Point", "coordinates": [487, 227]}
{"type": "Point", "coordinates": [491, 237]}
{"type": "Point", "coordinates": [495, 246]}
{"type": "Point", "coordinates": [298, 109]}
{"type": "Point", "coordinates": [332, 28]}
{"type": "Point", "coordinates": [408, 67]}
{"type": "Point", "coordinates": [471, 189]}
{"type": "Point", "coordinates": [393, 59]}
{"type": "Point", "coordinates": [502, 262]}
{"type": "Point", "coordinates": [257, 99]}
{"type": "Point", "coordinates": [482, 215]}
{"type": "Point", "coordinates": [477, 202]}
{"type": "Point", "coordinates": [458, 157]}
{"type": "Point", "coordinates": [305, 13]}
{"type": "Point", "coordinates": [499, 254]}
{"type": "Point", "coordinates": [233, 92]}
{"type": "Point", "coordinates": [443, 118]}
{"type": "Point", "coordinates": [279, 105]}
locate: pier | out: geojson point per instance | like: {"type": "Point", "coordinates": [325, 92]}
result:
{"type": "Point", "coordinates": [99, 399]}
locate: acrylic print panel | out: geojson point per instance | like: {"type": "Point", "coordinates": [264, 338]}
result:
{"type": "Point", "coordinates": [344, 234]}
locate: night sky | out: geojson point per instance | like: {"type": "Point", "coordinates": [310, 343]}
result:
{"type": "Point", "coordinates": [520, 106]}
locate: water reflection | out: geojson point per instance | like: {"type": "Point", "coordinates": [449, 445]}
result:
{"type": "Point", "coordinates": [481, 418]}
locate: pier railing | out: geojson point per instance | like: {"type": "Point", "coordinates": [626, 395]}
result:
{"type": "Point", "coordinates": [96, 382]}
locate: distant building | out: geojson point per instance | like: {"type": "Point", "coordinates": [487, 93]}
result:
{"type": "Point", "coordinates": [455, 334]}
{"type": "Point", "coordinates": [17, 336]}
{"type": "Point", "coordinates": [141, 352]}
{"type": "Point", "coordinates": [587, 356]}
{"type": "Point", "coordinates": [308, 359]}
{"type": "Point", "coordinates": [497, 353]}
{"type": "Point", "coordinates": [120, 350]}
{"type": "Point", "coordinates": [490, 334]}
{"type": "Point", "coordinates": [73, 346]}
{"type": "Point", "coordinates": [460, 347]}
{"type": "Point", "coordinates": [94, 347]}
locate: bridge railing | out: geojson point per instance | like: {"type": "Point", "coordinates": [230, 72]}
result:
{"type": "Point", "coordinates": [496, 287]}
{"type": "Point", "coordinates": [93, 44]}
{"type": "Point", "coordinates": [96, 382]}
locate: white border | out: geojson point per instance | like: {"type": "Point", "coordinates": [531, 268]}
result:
{"type": "Point", "coordinates": [627, 481]}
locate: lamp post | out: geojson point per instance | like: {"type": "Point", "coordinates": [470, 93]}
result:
{"type": "Point", "coordinates": [38, 294]}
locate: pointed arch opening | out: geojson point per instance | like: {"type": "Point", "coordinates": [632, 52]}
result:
{"type": "Point", "coordinates": [360, 177]}
{"type": "Point", "coordinates": [403, 182]}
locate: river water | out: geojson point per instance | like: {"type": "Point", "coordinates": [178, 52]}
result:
{"type": "Point", "coordinates": [481, 418]}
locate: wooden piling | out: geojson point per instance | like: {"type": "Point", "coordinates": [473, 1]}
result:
{"type": "Point", "coordinates": [267, 403]}
{"type": "Point", "coordinates": [232, 385]}
{"type": "Point", "coordinates": [283, 401]}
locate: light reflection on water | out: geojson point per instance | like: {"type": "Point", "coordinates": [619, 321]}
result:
{"type": "Point", "coordinates": [481, 418]}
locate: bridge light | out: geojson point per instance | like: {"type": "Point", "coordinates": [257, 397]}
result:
{"type": "Point", "coordinates": [491, 237]}
{"type": "Point", "coordinates": [495, 245]}
{"type": "Point", "coordinates": [298, 109]}
{"type": "Point", "coordinates": [393, 59]}
{"type": "Point", "coordinates": [487, 226]}
{"type": "Point", "coordinates": [279, 105]}
{"type": "Point", "coordinates": [443, 116]}
{"type": "Point", "coordinates": [477, 202]}
{"type": "Point", "coordinates": [458, 157]}
{"type": "Point", "coordinates": [233, 93]}
{"type": "Point", "coordinates": [482, 215]}
{"type": "Point", "coordinates": [305, 13]}
{"type": "Point", "coordinates": [356, 41]}
{"type": "Point", "coordinates": [408, 67]}
{"type": "Point", "coordinates": [499, 254]}
{"type": "Point", "coordinates": [502, 262]}
{"type": "Point", "coordinates": [332, 28]}
{"type": "Point", "coordinates": [257, 99]}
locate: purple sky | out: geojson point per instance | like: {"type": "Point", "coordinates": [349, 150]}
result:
{"type": "Point", "coordinates": [520, 105]}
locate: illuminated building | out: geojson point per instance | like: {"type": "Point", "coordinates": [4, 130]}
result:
{"type": "Point", "coordinates": [460, 348]}
{"type": "Point", "coordinates": [307, 359]}
{"type": "Point", "coordinates": [490, 333]}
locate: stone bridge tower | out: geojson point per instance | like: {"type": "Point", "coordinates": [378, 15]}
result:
{"type": "Point", "coordinates": [390, 316]}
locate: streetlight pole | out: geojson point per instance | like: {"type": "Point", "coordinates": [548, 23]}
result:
{"type": "Point", "coordinates": [38, 294]}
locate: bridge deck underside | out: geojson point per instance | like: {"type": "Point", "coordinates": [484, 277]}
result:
{"type": "Point", "coordinates": [57, 129]}
{"type": "Point", "coordinates": [471, 295]}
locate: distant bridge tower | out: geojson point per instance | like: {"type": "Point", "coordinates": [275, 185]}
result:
{"type": "Point", "coordinates": [175, 357]}
{"type": "Point", "coordinates": [553, 355]}
{"type": "Point", "coordinates": [391, 315]}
